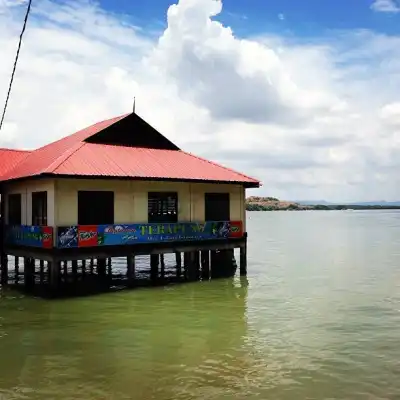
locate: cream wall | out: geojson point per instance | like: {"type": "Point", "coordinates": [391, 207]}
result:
{"type": "Point", "coordinates": [25, 189]}
{"type": "Point", "coordinates": [131, 199]}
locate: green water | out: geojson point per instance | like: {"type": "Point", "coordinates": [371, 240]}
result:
{"type": "Point", "coordinates": [318, 318]}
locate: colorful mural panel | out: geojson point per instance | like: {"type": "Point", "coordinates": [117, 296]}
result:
{"type": "Point", "coordinates": [31, 236]}
{"type": "Point", "coordinates": [127, 234]}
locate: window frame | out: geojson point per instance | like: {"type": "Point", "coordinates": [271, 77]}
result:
{"type": "Point", "coordinates": [11, 220]}
{"type": "Point", "coordinates": [39, 208]}
{"type": "Point", "coordinates": [162, 207]}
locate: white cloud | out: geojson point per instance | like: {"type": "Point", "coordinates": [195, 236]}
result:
{"type": "Point", "coordinates": [310, 120]}
{"type": "Point", "coordinates": [389, 6]}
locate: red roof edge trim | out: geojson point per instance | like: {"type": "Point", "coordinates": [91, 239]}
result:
{"type": "Point", "coordinates": [227, 168]}
{"type": "Point", "coordinates": [247, 184]}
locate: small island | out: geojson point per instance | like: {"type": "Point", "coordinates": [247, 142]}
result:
{"type": "Point", "coordinates": [256, 203]}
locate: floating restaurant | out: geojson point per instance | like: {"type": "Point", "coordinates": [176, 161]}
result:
{"type": "Point", "coordinates": [118, 188]}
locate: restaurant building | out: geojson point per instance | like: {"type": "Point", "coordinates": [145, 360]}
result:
{"type": "Point", "coordinates": [117, 188]}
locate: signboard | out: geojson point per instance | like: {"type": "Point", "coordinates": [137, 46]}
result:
{"type": "Point", "coordinates": [32, 236]}
{"type": "Point", "coordinates": [128, 234]}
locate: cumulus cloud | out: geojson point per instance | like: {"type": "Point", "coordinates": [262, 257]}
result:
{"type": "Point", "coordinates": [311, 120]}
{"type": "Point", "coordinates": [389, 6]}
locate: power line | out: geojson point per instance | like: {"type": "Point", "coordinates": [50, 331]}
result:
{"type": "Point", "coordinates": [15, 62]}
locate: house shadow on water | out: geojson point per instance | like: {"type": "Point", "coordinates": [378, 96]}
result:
{"type": "Point", "coordinates": [183, 341]}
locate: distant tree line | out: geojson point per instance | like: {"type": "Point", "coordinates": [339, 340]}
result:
{"type": "Point", "coordinates": [318, 207]}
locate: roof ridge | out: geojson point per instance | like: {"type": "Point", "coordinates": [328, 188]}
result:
{"type": "Point", "coordinates": [63, 157]}
{"type": "Point", "coordinates": [76, 134]}
{"type": "Point", "coordinates": [221, 166]}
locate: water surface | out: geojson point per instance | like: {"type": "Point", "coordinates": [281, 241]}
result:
{"type": "Point", "coordinates": [318, 317]}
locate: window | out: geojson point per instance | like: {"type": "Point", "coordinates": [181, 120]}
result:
{"type": "Point", "coordinates": [95, 207]}
{"type": "Point", "coordinates": [217, 206]}
{"type": "Point", "coordinates": [14, 209]}
{"type": "Point", "coordinates": [163, 207]}
{"type": "Point", "coordinates": [39, 208]}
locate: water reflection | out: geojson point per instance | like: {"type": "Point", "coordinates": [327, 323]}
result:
{"type": "Point", "coordinates": [157, 343]}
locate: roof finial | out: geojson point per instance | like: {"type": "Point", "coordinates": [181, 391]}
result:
{"type": "Point", "coordinates": [134, 104]}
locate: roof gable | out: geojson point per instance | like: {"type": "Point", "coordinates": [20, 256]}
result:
{"type": "Point", "coordinates": [132, 131]}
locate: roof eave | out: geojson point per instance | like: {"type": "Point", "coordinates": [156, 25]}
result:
{"type": "Point", "coordinates": [247, 184]}
{"type": "Point", "coordinates": [48, 175]}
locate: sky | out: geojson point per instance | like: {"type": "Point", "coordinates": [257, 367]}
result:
{"type": "Point", "coordinates": [303, 95]}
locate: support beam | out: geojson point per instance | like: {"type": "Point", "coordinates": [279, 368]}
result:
{"type": "Point", "coordinates": [243, 260]}
{"type": "Point", "coordinates": [205, 265]}
{"type": "Point", "coordinates": [131, 270]}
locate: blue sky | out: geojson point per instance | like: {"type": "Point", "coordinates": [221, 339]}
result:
{"type": "Point", "coordinates": [308, 103]}
{"type": "Point", "coordinates": [308, 18]}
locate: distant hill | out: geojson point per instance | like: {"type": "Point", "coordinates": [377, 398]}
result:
{"type": "Point", "coordinates": [257, 203]}
{"type": "Point", "coordinates": [359, 203]}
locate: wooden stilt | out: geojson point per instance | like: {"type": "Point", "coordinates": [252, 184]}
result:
{"type": "Point", "coordinates": [101, 266]}
{"type": "Point", "coordinates": [75, 271]}
{"type": "Point", "coordinates": [162, 263]}
{"type": "Point", "coordinates": [243, 260]}
{"type": "Point", "coordinates": [186, 265]}
{"type": "Point", "coordinates": [205, 265]}
{"type": "Point", "coordinates": [178, 258]}
{"type": "Point", "coordinates": [54, 270]}
{"type": "Point", "coordinates": [4, 269]}
{"type": "Point", "coordinates": [41, 272]}
{"type": "Point", "coordinates": [29, 271]}
{"type": "Point", "coordinates": [16, 269]}
{"type": "Point", "coordinates": [154, 262]}
{"type": "Point", "coordinates": [131, 270]}
{"type": "Point", "coordinates": [83, 269]}
{"type": "Point", "coordinates": [65, 270]}
{"type": "Point", "coordinates": [109, 267]}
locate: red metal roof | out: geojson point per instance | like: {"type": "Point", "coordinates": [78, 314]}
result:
{"type": "Point", "coordinates": [74, 157]}
{"type": "Point", "coordinates": [9, 159]}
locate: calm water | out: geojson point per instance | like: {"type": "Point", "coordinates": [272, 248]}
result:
{"type": "Point", "coordinates": [318, 318]}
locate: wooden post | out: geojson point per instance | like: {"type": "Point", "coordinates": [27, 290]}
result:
{"type": "Point", "coordinates": [131, 270]}
{"type": "Point", "coordinates": [83, 269]}
{"type": "Point", "coordinates": [3, 255]}
{"type": "Point", "coordinates": [29, 271]}
{"type": "Point", "coordinates": [109, 267]}
{"type": "Point", "coordinates": [243, 259]}
{"type": "Point", "coordinates": [65, 270]}
{"type": "Point", "coordinates": [205, 264]}
{"type": "Point", "coordinates": [196, 265]}
{"type": "Point", "coordinates": [101, 266]}
{"type": "Point", "coordinates": [41, 272]}
{"type": "Point", "coordinates": [162, 262]}
{"type": "Point", "coordinates": [16, 269]}
{"type": "Point", "coordinates": [192, 265]}
{"type": "Point", "coordinates": [54, 268]}
{"type": "Point", "coordinates": [186, 265]}
{"type": "Point", "coordinates": [75, 270]}
{"type": "Point", "coordinates": [214, 268]}
{"type": "Point", "coordinates": [178, 257]}
{"type": "Point", "coordinates": [154, 262]}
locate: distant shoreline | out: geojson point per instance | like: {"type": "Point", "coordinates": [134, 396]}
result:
{"type": "Point", "coordinates": [274, 204]}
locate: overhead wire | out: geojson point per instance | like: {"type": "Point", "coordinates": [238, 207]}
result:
{"type": "Point", "coordinates": [28, 10]}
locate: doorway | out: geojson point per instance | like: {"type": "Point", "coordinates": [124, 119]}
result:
{"type": "Point", "coordinates": [95, 207]}
{"type": "Point", "coordinates": [217, 206]}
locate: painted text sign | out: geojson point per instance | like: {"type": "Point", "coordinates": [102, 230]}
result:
{"type": "Point", "coordinates": [128, 234]}
{"type": "Point", "coordinates": [31, 236]}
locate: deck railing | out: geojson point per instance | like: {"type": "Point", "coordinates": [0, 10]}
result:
{"type": "Point", "coordinates": [120, 234]}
